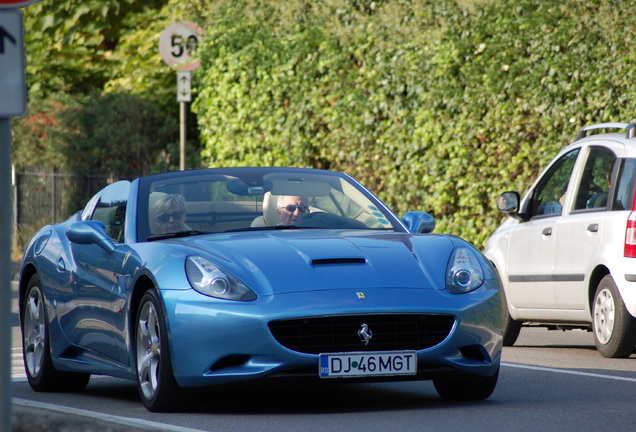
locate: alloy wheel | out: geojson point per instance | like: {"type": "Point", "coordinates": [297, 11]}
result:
{"type": "Point", "coordinates": [148, 350]}
{"type": "Point", "coordinates": [34, 332]}
{"type": "Point", "coordinates": [604, 316]}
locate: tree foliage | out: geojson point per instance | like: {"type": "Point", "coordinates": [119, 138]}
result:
{"type": "Point", "coordinates": [34, 135]}
{"type": "Point", "coordinates": [100, 96]}
{"type": "Point", "coordinates": [116, 133]}
{"type": "Point", "coordinates": [69, 43]}
{"type": "Point", "coordinates": [438, 105]}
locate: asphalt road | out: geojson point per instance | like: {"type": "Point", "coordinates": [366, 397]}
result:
{"type": "Point", "coordinates": [549, 381]}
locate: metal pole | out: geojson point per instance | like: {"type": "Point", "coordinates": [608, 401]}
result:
{"type": "Point", "coordinates": [14, 198]}
{"type": "Point", "coordinates": [5, 276]}
{"type": "Point", "coordinates": [53, 193]}
{"type": "Point", "coordinates": [182, 123]}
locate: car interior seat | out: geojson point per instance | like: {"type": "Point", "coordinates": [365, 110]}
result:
{"type": "Point", "coordinates": [598, 200]}
{"type": "Point", "coordinates": [270, 215]}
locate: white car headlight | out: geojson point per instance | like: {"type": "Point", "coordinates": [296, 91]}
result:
{"type": "Point", "coordinates": [464, 273]}
{"type": "Point", "coordinates": [208, 279]}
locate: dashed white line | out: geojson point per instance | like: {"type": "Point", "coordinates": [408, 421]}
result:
{"type": "Point", "coordinates": [569, 372]}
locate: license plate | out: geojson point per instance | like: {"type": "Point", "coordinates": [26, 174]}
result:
{"type": "Point", "coordinates": [364, 364]}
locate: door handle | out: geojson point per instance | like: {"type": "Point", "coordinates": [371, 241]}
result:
{"type": "Point", "coordinates": [61, 265]}
{"type": "Point", "coordinates": [592, 227]}
{"type": "Point", "coordinates": [547, 231]}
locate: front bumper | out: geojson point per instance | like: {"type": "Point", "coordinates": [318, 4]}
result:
{"type": "Point", "coordinates": [215, 342]}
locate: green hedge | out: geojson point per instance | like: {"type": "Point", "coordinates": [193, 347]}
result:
{"type": "Point", "coordinates": [434, 105]}
{"type": "Point", "coordinates": [438, 106]}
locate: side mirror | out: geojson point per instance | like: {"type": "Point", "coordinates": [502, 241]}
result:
{"type": "Point", "coordinates": [508, 203]}
{"type": "Point", "coordinates": [419, 222]}
{"type": "Point", "coordinates": [90, 232]}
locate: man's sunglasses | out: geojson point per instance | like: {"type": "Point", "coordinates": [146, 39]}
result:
{"type": "Point", "coordinates": [165, 218]}
{"type": "Point", "coordinates": [292, 208]}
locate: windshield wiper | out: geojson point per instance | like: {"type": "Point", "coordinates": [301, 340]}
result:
{"type": "Point", "coordinates": [175, 235]}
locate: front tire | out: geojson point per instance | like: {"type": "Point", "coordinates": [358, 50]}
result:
{"type": "Point", "coordinates": [511, 328]}
{"type": "Point", "coordinates": [36, 348]}
{"type": "Point", "coordinates": [614, 328]}
{"type": "Point", "coordinates": [471, 388]}
{"type": "Point", "coordinates": [158, 389]}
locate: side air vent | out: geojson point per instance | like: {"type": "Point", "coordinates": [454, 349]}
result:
{"type": "Point", "coordinates": [331, 261]}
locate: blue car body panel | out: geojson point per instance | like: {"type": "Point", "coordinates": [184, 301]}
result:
{"type": "Point", "coordinates": [92, 291]}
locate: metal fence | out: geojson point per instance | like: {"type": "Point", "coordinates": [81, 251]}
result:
{"type": "Point", "coordinates": [41, 197]}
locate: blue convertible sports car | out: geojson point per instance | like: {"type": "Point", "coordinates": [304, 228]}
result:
{"type": "Point", "coordinates": [192, 279]}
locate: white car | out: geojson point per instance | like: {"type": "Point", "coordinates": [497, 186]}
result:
{"type": "Point", "coordinates": [567, 254]}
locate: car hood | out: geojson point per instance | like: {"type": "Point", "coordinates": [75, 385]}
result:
{"type": "Point", "coordinates": [300, 260]}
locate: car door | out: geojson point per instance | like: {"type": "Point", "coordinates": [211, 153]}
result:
{"type": "Point", "coordinates": [94, 318]}
{"type": "Point", "coordinates": [531, 258]}
{"type": "Point", "coordinates": [580, 232]}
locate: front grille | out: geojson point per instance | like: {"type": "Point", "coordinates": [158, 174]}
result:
{"type": "Point", "coordinates": [340, 333]}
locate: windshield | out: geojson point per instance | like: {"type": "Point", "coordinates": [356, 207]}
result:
{"type": "Point", "coordinates": [210, 202]}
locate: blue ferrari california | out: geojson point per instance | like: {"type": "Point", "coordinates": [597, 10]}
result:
{"type": "Point", "coordinates": [198, 278]}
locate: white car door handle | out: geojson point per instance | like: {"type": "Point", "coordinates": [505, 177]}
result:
{"type": "Point", "coordinates": [547, 231]}
{"type": "Point", "coordinates": [592, 228]}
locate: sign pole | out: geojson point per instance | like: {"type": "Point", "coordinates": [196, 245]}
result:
{"type": "Point", "coordinates": [177, 46]}
{"type": "Point", "coordinates": [182, 140]}
{"type": "Point", "coordinates": [12, 104]}
{"type": "Point", "coordinates": [5, 273]}
{"type": "Point", "coordinates": [183, 96]}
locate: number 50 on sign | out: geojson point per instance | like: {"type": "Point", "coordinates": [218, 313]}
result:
{"type": "Point", "coordinates": [178, 44]}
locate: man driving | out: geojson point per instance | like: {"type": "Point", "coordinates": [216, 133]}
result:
{"type": "Point", "coordinates": [291, 208]}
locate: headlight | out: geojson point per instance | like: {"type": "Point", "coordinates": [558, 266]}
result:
{"type": "Point", "coordinates": [208, 279]}
{"type": "Point", "coordinates": [464, 273]}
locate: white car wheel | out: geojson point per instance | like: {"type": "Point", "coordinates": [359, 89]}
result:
{"type": "Point", "coordinates": [614, 328]}
{"type": "Point", "coordinates": [604, 313]}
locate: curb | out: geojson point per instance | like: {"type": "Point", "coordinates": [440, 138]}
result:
{"type": "Point", "coordinates": [29, 416]}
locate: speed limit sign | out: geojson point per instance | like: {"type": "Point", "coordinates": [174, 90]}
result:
{"type": "Point", "coordinates": [178, 44]}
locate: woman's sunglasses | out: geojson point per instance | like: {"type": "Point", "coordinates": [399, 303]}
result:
{"type": "Point", "coordinates": [165, 218]}
{"type": "Point", "coordinates": [292, 208]}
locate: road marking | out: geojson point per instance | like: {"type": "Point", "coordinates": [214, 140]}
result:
{"type": "Point", "coordinates": [136, 422]}
{"type": "Point", "coordinates": [17, 364]}
{"type": "Point", "coordinates": [569, 372]}
{"type": "Point", "coordinates": [91, 415]}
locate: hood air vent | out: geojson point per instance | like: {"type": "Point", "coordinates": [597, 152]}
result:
{"type": "Point", "coordinates": [332, 261]}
